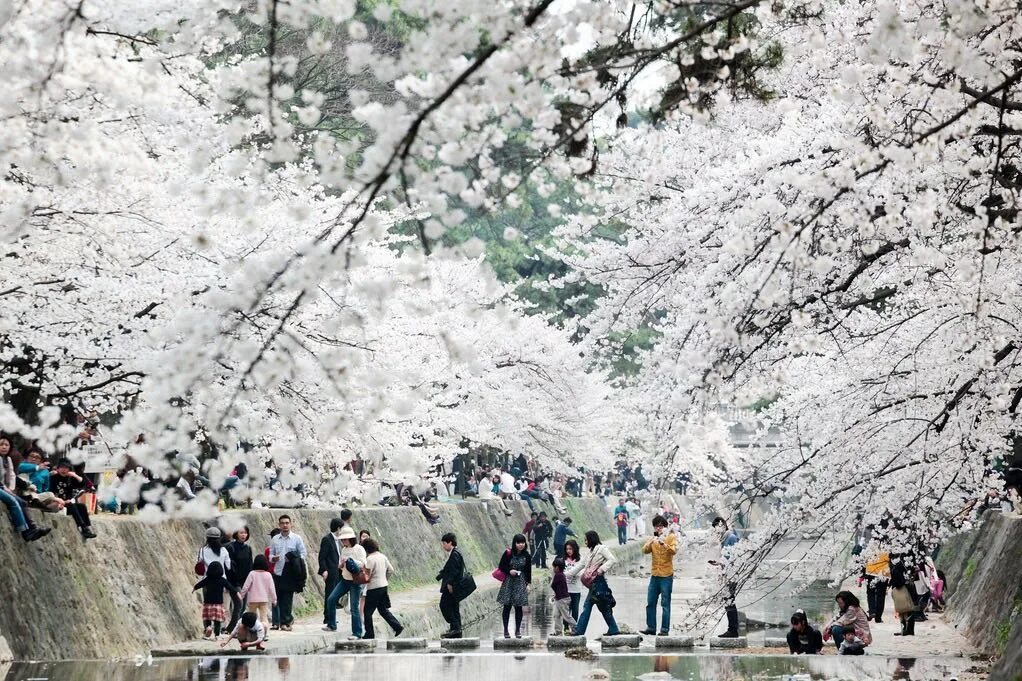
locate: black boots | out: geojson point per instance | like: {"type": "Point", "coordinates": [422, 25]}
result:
{"type": "Point", "coordinates": [732, 622]}
{"type": "Point", "coordinates": [33, 533]}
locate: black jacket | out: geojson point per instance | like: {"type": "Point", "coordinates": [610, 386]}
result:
{"type": "Point", "coordinates": [292, 577]}
{"type": "Point", "coordinates": [329, 559]}
{"type": "Point", "coordinates": [813, 647]}
{"type": "Point", "coordinates": [241, 562]}
{"type": "Point", "coordinates": [213, 589]}
{"type": "Point", "coordinates": [542, 530]}
{"type": "Point", "coordinates": [453, 570]}
{"type": "Point", "coordinates": [505, 566]}
{"type": "Point", "coordinates": [67, 488]}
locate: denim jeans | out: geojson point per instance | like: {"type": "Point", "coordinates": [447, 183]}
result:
{"type": "Point", "coordinates": [14, 510]}
{"type": "Point", "coordinates": [659, 587]}
{"type": "Point", "coordinates": [838, 632]}
{"type": "Point", "coordinates": [353, 590]}
{"type": "Point", "coordinates": [622, 534]}
{"type": "Point", "coordinates": [605, 610]}
{"type": "Point", "coordinates": [576, 598]}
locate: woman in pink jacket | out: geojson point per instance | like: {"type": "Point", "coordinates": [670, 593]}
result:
{"type": "Point", "coordinates": [262, 595]}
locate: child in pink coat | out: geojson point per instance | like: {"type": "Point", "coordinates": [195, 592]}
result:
{"type": "Point", "coordinates": [262, 594]}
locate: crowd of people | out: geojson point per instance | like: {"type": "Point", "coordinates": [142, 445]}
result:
{"type": "Point", "coordinates": [34, 480]}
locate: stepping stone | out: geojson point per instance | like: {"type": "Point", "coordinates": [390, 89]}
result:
{"type": "Point", "coordinates": [775, 642]}
{"type": "Point", "coordinates": [358, 644]}
{"type": "Point", "coordinates": [740, 642]}
{"type": "Point", "coordinates": [406, 643]}
{"type": "Point", "coordinates": [512, 643]}
{"type": "Point", "coordinates": [621, 641]}
{"type": "Point", "coordinates": [459, 643]}
{"type": "Point", "coordinates": [565, 641]}
{"type": "Point", "coordinates": [675, 642]}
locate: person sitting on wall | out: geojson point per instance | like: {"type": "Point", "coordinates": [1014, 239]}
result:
{"type": "Point", "coordinates": [67, 487]}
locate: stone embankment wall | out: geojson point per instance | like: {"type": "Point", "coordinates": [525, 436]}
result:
{"type": "Point", "coordinates": [131, 589]}
{"type": "Point", "coordinates": [984, 571]}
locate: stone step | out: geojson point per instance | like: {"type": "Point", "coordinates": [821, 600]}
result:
{"type": "Point", "coordinates": [565, 641]}
{"type": "Point", "coordinates": [459, 643]}
{"type": "Point", "coordinates": [773, 642]}
{"type": "Point", "coordinates": [512, 643]}
{"type": "Point", "coordinates": [674, 642]}
{"type": "Point", "coordinates": [356, 644]}
{"type": "Point", "coordinates": [406, 643]}
{"type": "Point", "coordinates": [621, 641]}
{"type": "Point", "coordinates": [740, 642]}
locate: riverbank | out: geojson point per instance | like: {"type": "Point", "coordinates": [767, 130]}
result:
{"type": "Point", "coordinates": [130, 590]}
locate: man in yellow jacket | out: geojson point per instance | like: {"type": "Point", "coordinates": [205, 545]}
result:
{"type": "Point", "coordinates": [662, 545]}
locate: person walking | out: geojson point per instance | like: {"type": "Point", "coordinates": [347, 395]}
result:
{"type": "Point", "coordinates": [541, 533]}
{"type": "Point", "coordinates": [240, 554]}
{"type": "Point", "coordinates": [561, 597]}
{"type": "Point", "coordinates": [330, 560]}
{"type": "Point", "coordinates": [450, 577]}
{"type": "Point", "coordinates": [621, 518]}
{"type": "Point", "coordinates": [561, 533]}
{"type": "Point", "coordinates": [259, 590]}
{"type": "Point", "coordinates": [573, 566]}
{"type": "Point", "coordinates": [662, 546]}
{"type": "Point", "coordinates": [377, 596]}
{"type": "Point", "coordinates": [287, 542]}
{"type": "Point", "coordinates": [802, 638]}
{"type": "Point", "coordinates": [597, 563]}
{"type": "Point", "coordinates": [516, 564]}
{"type": "Point", "coordinates": [213, 551]}
{"type": "Point", "coordinates": [877, 574]}
{"type": "Point", "coordinates": [352, 561]}
{"type": "Point", "coordinates": [727, 538]}
{"type": "Point", "coordinates": [213, 585]}
{"type": "Point", "coordinates": [904, 595]}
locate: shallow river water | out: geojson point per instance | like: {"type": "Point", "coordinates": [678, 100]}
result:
{"type": "Point", "coordinates": [490, 666]}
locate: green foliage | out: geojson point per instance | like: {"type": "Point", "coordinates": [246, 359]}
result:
{"type": "Point", "coordinates": [970, 568]}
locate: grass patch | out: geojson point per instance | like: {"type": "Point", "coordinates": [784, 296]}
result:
{"type": "Point", "coordinates": [970, 568]}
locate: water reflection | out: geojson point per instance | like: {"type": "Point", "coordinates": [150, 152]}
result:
{"type": "Point", "coordinates": [537, 666]}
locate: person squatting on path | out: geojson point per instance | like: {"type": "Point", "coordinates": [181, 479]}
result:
{"type": "Point", "coordinates": [450, 577]}
{"type": "Point", "coordinates": [287, 549]}
{"type": "Point", "coordinates": [377, 596]}
{"type": "Point", "coordinates": [561, 598]}
{"type": "Point", "coordinates": [250, 632]}
{"type": "Point", "coordinates": [849, 618]}
{"type": "Point", "coordinates": [727, 538]}
{"type": "Point", "coordinates": [662, 545]}
{"type": "Point", "coordinates": [597, 563]}
{"type": "Point", "coordinates": [573, 566]}
{"type": "Point", "coordinates": [516, 564]}
{"type": "Point", "coordinates": [330, 560]}
{"type": "Point", "coordinates": [802, 638]}
{"type": "Point", "coordinates": [352, 560]}
{"type": "Point", "coordinates": [259, 590]}
{"type": "Point", "coordinates": [213, 586]}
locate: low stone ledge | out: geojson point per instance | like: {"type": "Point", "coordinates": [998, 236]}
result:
{"type": "Point", "coordinates": [774, 642]}
{"type": "Point", "coordinates": [674, 642]}
{"type": "Point", "coordinates": [459, 643]}
{"type": "Point", "coordinates": [358, 644]}
{"type": "Point", "coordinates": [565, 641]}
{"type": "Point", "coordinates": [512, 643]}
{"type": "Point", "coordinates": [739, 642]}
{"type": "Point", "coordinates": [621, 641]}
{"type": "Point", "coordinates": [406, 643]}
